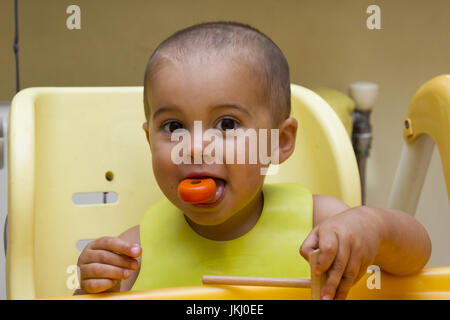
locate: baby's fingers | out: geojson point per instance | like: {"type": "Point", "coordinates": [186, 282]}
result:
{"type": "Point", "coordinates": [336, 271]}
{"type": "Point", "coordinates": [107, 257]}
{"type": "Point", "coordinates": [310, 244]}
{"type": "Point", "coordinates": [103, 271]}
{"type": "Point", "coordinates": [116, 245]}
{"type": "Point", "coordinates": [328, 244]}
{"type": "Point", "coordinates": [97, 285]}
{"type": "Point", "coordinates": [350, 276]}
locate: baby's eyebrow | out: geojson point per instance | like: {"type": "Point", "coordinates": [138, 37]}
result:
{"type": "Point", "coordinates": [162, 110]}
{"type": "Point", "coordinates": [219, 106]}
{"type": "Point", "coordinates": [233, 106]}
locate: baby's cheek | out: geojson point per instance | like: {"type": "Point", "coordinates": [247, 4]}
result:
{"type": "Point", "coordinates": [164, 170]}
{"type": "Point", "coordinates": [244, 180]}
{"type": "Point", "coordinates": [160, 163]}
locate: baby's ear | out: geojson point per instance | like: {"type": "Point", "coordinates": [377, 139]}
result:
{"type": "Point", "coordinates": [145, 127]}
{"type": "Point", "coordinates": [287, 135]}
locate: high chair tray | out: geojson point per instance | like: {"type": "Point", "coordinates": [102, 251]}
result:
{"type": "Point", "coordinates": [429, 284]}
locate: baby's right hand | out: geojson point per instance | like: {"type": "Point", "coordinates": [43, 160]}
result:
{"type": "Point", "coordinates": [105, 262]}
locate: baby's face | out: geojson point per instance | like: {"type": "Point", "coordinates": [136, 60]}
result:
{"type": "Point", "coordinates": [221, 95]}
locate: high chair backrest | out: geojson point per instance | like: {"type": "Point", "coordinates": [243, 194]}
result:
{"type": "Point", "coordinates": [67, 141]}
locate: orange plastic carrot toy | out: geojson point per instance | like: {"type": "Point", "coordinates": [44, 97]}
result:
{"type": "Point", "coordinates": [197, 190]}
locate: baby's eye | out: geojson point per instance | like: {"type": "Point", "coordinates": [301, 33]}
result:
{"type": "Point", "coordinates": [171, 126]}
{"type": "Point", "coordinates": [227, 124]}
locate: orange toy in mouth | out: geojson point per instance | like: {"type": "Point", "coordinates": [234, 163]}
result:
{"type": "Point", "coordinates": [193, 190]}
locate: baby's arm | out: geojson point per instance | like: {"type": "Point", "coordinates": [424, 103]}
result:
{"type": "Point", "coordinates": [110, 264]}
{"type": "Point", "coordinates": [351, 239]}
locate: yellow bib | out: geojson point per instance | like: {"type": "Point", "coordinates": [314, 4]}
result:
{"type": "Point", "coordinates": [175, 256]}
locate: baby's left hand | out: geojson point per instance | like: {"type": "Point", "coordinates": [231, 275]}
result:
{"type": "Point", "coordinates": [348, 244]}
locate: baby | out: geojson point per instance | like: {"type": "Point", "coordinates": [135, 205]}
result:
{"type": "Point", "coordinates": [228, 76]}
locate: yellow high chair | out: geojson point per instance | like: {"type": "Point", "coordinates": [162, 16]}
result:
{"type": "Point", "coordinates": [64, 141]}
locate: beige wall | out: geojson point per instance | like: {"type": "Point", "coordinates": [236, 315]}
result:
{"type": "Point", "coordinates": [326, 42]}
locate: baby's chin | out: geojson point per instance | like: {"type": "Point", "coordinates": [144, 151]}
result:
{"type": "Point", "coordinates": [207, 216]}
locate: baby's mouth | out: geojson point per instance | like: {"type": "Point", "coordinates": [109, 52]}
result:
{"type": "Point", "coordinates": [218, 196]}
{"type": "Point", "coordinates": [220, 192]}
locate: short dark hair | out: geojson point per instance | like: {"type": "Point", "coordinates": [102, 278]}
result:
{"type": "Point", "coordinates": [241, 38]}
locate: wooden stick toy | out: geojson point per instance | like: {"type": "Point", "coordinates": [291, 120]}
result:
{"type": "Point", "coordinates": [316, 280]}
{"type": "Point", "coordinates": [315, 283]}
{"type": "Point", "coordinates": [257, 281]}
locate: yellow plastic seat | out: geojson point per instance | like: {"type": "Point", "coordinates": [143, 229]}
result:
{"type": "Point", "coordinates": [64, 141]}
{"type": "Point", "coordinates": [342, 104]}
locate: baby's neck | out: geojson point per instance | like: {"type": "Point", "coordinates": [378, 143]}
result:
{"type": "Point", "coordinates": [235, 227]}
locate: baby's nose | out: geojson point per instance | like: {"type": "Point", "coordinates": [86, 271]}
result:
{"type": "Point", "coordinates": [198, 154]}
{"type": "Point", "coordinates": [196, 149]}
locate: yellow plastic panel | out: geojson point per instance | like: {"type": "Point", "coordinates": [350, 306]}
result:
{"type": "Point", "coordinates": [63, 141]}
{"type": "Point", "coordinates": [342, 104]}
{"type": "Point", "coordinates": [324, 159]}
{"type": "Point", "coordinates": [430, 284]}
